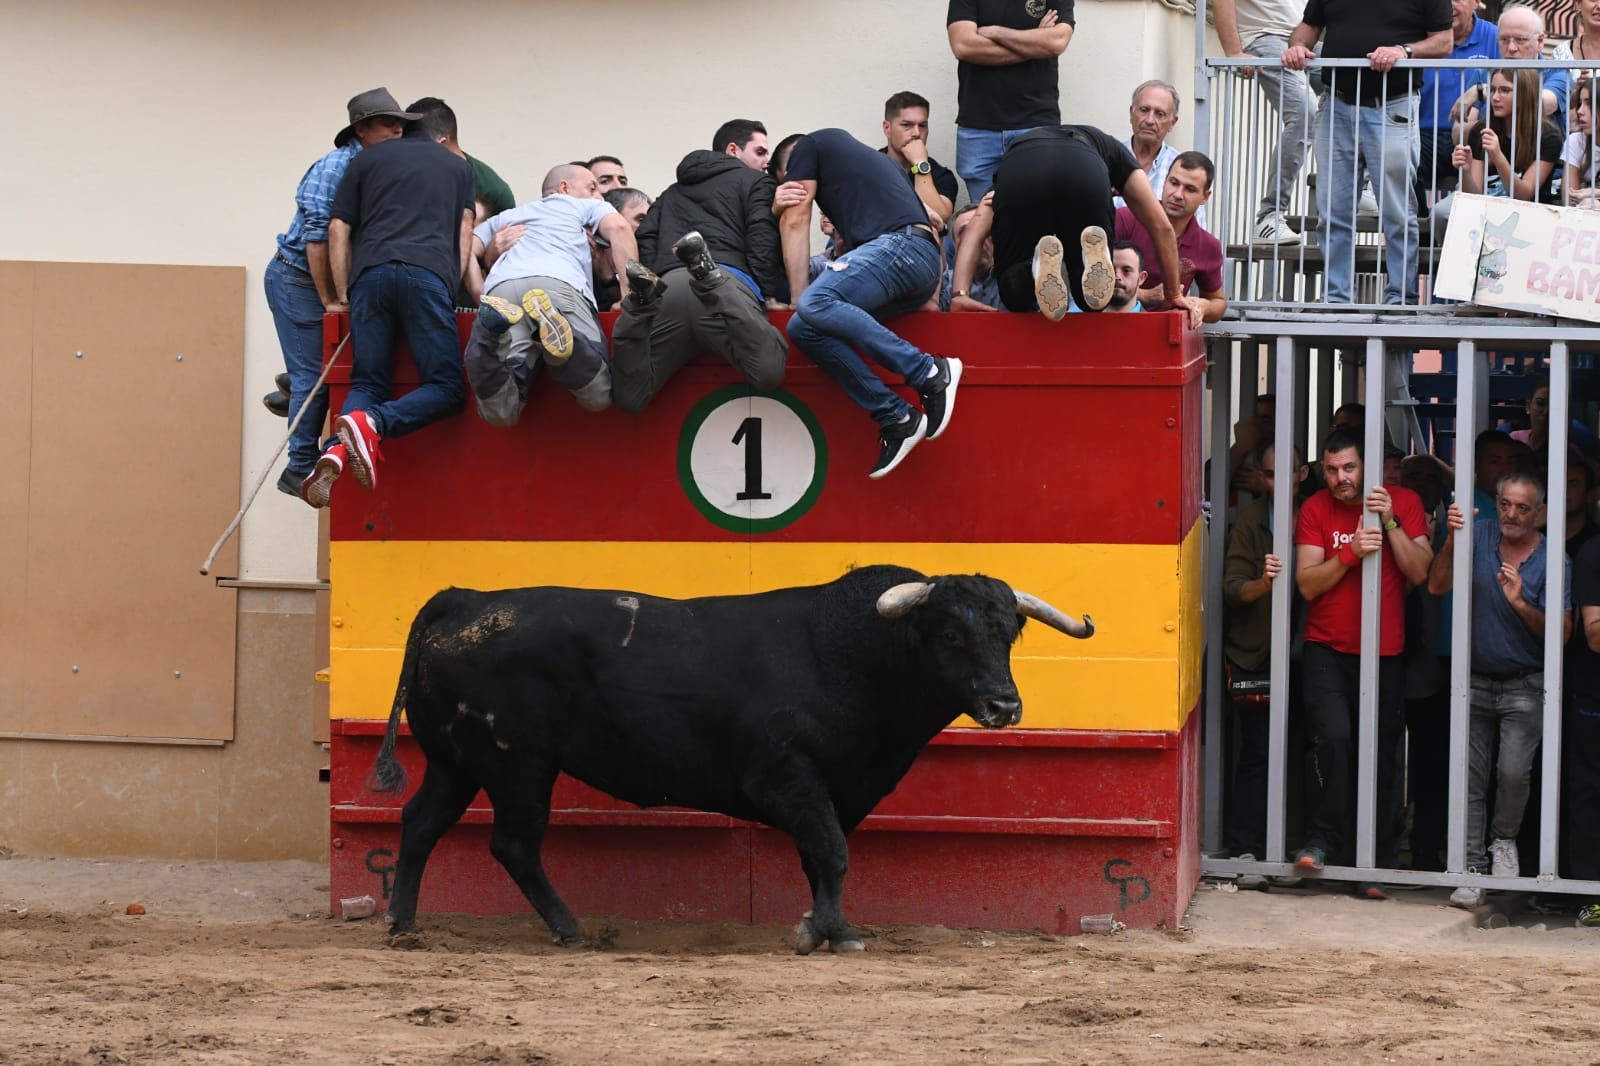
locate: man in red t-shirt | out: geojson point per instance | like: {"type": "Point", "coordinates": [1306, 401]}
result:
{"type": "Point", "coordinates": [1331, 540]}
{"type": "Point", "coordinates": [1186, 189]}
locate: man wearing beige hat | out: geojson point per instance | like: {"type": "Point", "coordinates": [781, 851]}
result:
{"type": "Point", "coordinates": [300, 285]}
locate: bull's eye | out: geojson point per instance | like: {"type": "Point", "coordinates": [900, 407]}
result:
{"type": "Point", "coordinates": [952, 636]}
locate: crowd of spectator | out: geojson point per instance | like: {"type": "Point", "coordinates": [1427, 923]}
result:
{"type": "Point", "coordinates": [1413, 533]}
{"type": "Point", "coordinates": [400, 226]}
{"type": "Point", "coordinates": [1397, 141]}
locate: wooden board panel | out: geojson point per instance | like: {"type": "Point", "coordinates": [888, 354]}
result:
{"type": "Point", "coordinates": [16, 371]}
{"type": "Point", "coordinates": [134, 467]}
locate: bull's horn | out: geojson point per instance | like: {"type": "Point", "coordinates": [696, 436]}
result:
{"type": "Point", "coordinates": [900, 599]}
{"type": "Point", "coordinates": [1033, 607]}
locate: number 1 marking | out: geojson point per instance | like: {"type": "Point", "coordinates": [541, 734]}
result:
{"type": "Point", "coordinates": [749, 433]}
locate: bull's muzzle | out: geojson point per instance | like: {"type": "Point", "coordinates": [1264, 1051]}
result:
{"type": "Point", "coordinates": [1033, 607]}
{"type": "Point", "coordinates": [999, 712]}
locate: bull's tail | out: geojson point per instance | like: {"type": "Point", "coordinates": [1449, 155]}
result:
{"type": "Point", "coordinates": [387, 773]}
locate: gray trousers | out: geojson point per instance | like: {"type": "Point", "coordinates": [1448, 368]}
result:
{"type": "Point", "coordinates": [1289, 93]}
{"type": "Point", "coordinates": [1514, 710]}
{"type": "Point", "coordinates": [721, 316]}
{"type": "Point", "coordinates": [501, 367]}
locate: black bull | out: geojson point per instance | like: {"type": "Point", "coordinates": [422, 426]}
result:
{"type": "Point", "coordinates": [799, 708]}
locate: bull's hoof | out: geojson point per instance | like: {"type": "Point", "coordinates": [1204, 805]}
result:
{"type": "Point", "coordinates": [806, 937]}
{"type": "Point", "coordinates": [572, 940]}
{"type": "Point", "coordinates": [406, 940]}
{"type": "Point", "coordinates": [844, 947]}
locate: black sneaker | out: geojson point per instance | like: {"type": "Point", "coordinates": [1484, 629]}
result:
{"type": "Point", "coordinates": [939, 394]}
{"type": "Point", "coordinates": [289, 481]}
{"type": "Point", "coordinates": [896, 441]}
{"type": "Point", "coordinates": [644, 287]}
{"type": "Point", "coordinates": [282, 382]}
{"type": "Point", "coordinates": [692, 252]}
{"type": "Point", "coordinates": [277, 403]}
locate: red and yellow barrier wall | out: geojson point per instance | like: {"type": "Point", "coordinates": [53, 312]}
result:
{"type": "Point", "coordinates": [1071, 470]}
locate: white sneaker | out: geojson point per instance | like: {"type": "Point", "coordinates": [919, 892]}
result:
{"type": "Point", "coordinates": [1248, 880]}
{"type": "Point", "coordinates": [1369, 203]}
{"type": "Point", "coordinates": [1274, 229]}
{"type": "Point", "coordinates": [1467, 896]}
{"type": "Point", "coordinates": [1503, 859]}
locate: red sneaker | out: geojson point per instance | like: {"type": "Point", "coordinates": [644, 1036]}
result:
{"type": "Point", "coordinates": [361, 440]}
{"type": "Point", "coordinates": [317, 489]}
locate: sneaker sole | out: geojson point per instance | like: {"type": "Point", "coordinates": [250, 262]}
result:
{"type": "Point", "coordinates": [555, 333]}
{"type": "Point", "coordinates": [1308, 865]}
{"type": "Point", "coordinates": [504, 308]}
{"type": "Point", "coordinates": [1050, 289]}
{"type": "Point", "coordinates": [956, 367]}
{"type": "Point", "coordinates": [688, 254]}
{"type": "Point", "coordinates": [317, 490]}
{"type": "Point", "coordinates": [356, 453]}
{"type": "Point", "coordinates": [1099, 276]}
{"type": "Point", "coordinates": [911, 442]}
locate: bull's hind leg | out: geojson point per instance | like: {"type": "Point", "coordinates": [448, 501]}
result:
{"type": "Point", "coordinates": [438, 805]}
{"type": "Point", "coordinates": [521, 815]}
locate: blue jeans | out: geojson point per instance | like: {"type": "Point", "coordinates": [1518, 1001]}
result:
{"type": "Point", "coordinates": [297, 313]}
{"type": "Point", "coordinates": [978, 153]}
{"type": "Point", "coordinates": [844, 309]}
{"type": "Point", "coordinates": [398, 294]}
{"type": "Point", "coordinates": [1352, 141]}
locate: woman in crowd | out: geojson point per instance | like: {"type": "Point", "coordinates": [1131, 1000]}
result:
{"type": "Point", "coordinates": [1577, 183]}
{"type": "Point", "coordinates": [1516, 151]}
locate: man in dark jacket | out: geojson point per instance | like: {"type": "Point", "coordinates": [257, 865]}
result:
{"type": "Point", "coordinates": [708, 258]}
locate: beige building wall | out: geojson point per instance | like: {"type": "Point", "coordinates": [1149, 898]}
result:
{"type": "Point", "coordinates": [174, 132]}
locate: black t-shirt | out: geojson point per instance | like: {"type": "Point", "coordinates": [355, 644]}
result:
{"type": "Point", "coordinates": [1549, 151]}
{"type": "Point", "coordinates": [1583, 664]}
{"type": "Point", "coordinates": [1017, 95]}
{"type": "Point", "coordinates": [864, 193]}
{"type": "Point", "coordinates": [1352, 28]}
{"type": "Point", "coordinates": [403, 200]}
{"type": "Point", "coordinates": [944, 179]}
{"type": "Point", "coordinates": [1119, 161]}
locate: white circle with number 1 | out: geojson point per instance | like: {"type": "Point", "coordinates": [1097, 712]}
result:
{"type": "Point", "coordinates": [753, 458]}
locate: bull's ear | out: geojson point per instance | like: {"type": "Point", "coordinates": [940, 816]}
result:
{"type": "Point", "coordinates": [900, 599]}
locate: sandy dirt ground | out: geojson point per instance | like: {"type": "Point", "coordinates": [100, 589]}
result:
{"type": "Point", "coordinates": [239, 963]}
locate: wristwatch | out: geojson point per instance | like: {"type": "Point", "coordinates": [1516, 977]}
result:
{"type": "Point", "coordinates": [1406, 48]}
{"type": "Point", "coordinates": [959, 292]}
{"type": "Point", "coordinates": [923, 167]}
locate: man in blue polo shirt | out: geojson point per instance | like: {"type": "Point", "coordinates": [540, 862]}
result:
{"type": "Point", "coordinates": [1508, 625]}
{"type": "Point", "coordinates": [1473, 38]}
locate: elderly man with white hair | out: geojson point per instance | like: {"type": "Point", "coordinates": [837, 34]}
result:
{"type": "Point", "coordinates": [1521, 35]}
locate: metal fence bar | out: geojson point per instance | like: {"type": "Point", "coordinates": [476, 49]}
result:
{"type": "Point", "coordinates": [1555, 573]}
{"type": "Point", "coordinates": [1371, 589]}
{"type": "Point", "coordinates": [1219, 377]}
{"type": "Point", "coordinates": [1467, 372]}
{"type": "Point", "coordinates": [1283, 490]}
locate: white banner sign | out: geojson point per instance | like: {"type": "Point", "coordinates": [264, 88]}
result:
{"type": "Point", "coordinates": [1522, 256]}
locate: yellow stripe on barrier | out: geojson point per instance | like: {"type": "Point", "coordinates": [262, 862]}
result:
{"type": "Point", "coordinates": [1139, 672]}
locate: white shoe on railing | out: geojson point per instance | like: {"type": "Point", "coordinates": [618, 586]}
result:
{"type": "Point", "coordinates": [1274, 229]}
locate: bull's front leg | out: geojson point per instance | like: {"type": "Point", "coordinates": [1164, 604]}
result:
{"type": "Point", "coordinates": [825, 858]}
